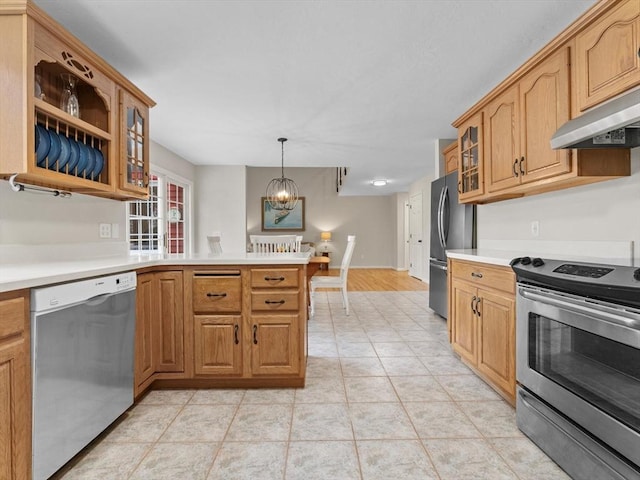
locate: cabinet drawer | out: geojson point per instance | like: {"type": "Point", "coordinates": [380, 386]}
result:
{"type": "Point", "coordinates": [217, 294]}
{"type": "Point", "coordinates": [274, 278]}
{"type": "Point", "coordinates": [275, 300]}
{"type": "Point", "coordinates": [12, 317]}
{"type": "Point", "coordinates": [488, 276]}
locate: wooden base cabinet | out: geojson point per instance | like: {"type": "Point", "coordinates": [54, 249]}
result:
{"type": "Point", "coordinates": [247, 325]}
{"type": "Point", "coordinates": [482, 312]}
{"type": "Point", "coordinates": [15, 386]}
{"type": "Point", "coordinates": [159, 345]}
{"type": "Point", "coordinates": [217, 348]}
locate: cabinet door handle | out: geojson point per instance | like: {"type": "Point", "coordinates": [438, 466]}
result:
{"type": "Point", "coordinates": [255, 334]}
{"type": "Point", "coordinates": [522, 172]}
{"type": "Point", "coordinates": [459, 186]}
{"type": "Point", "coordinates": [515, 172]}
{"type": "Point", "coordinates": [271, 279]}
{"type": "Point", "coordinates": [473, 309]}
{"type": "Point", "coordinates": [475, 274]}
{"type": "Point", "coordinates": [274, 302]}
{"type": "Point", "coordinates": [235, 334]}
{"type": "Point", "coordinates": [210, 294]}
{"type": "Point", "coordinates": [478, 312]}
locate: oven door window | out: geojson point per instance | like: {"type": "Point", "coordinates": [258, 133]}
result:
{"type": "Point", "coordinates": [603, 372]}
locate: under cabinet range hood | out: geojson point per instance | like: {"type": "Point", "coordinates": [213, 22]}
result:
{"type": "Point", "coordinates": [610, 125]}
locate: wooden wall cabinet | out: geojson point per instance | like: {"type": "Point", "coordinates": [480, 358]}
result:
{"type": "Point", "coordinates": [15, 386]}
{"type": "Point", "coordinates": [520, 122]}
{"type": "Point", "coordinates": [39, 57]}
{"type": "Point", "coordinates": [134, 145]}
{"type": "Point", "coordinates": [482, 315]}
{"type": "Point", "coordinates": [159, 344]}
{"type": "Point", "coordinates": [471, 158]}
{"type": "Point", "coordinates": [450, 157]}
{"type": "Point", "coordinates": [607, 55]}
{"type": "Point", "coordinates": [522, 113]}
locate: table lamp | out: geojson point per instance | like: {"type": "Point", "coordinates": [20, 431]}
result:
{"type": "Point", "coordinates": [326, 238]}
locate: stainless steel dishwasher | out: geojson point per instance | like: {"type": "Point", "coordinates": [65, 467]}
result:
{"type": "Point", "coordinates": [82, 336]}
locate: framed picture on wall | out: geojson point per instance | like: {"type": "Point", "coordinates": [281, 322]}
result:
{"type": "Point", "coordinates": [283, 220]}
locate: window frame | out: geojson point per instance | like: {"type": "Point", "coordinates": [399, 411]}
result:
{"type": "Point", "coordinates": [165, 176]}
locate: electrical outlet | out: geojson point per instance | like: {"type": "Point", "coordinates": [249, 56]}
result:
{"type": "Point", "coordinates": [105, 230]}
{"type": "Point", "coordinates": [535, 228]}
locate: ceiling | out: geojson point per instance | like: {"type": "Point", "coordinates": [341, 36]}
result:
{"type": "Point", "coordinates": [369, 85]}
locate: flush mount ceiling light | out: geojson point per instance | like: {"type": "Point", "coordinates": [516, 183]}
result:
{"type": "Point", "coordinates": [282, 193]}
{"type": "Point", "coordinates": [379, 183]}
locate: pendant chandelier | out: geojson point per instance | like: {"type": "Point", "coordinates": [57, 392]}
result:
{"type": "Point", "coordinates": [282, 193]}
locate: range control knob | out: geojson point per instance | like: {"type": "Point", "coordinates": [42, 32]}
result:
{"type": "Point", "coordinates": [525, 260]}
{"type": "Point", "coordinates": [636, 274]}
{"type": "Point", "coordinates": [537, 262]}
{"type": "Point", "coordinates": [515, 261]}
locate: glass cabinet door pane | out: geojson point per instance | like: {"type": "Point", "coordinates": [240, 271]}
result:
{"type": "Point", "coordinates": [474, 135]}
{"type": "Point", "coordinates": [474, 156]}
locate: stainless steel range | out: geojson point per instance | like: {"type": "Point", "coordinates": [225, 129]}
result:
{"type": "Point", "coordinates": [578, 364]}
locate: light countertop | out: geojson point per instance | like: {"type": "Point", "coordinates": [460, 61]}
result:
{"type": "Point", "coordinates": [15, 276]}
{"type": "Point", "coordinates": [483, 255]}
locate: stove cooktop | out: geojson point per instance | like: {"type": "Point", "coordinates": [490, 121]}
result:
{"type": "Point", "coordinates": [614, 283]}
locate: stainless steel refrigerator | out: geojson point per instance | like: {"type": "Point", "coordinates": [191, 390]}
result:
{"type": "Point", "coordinates": [452, 227]}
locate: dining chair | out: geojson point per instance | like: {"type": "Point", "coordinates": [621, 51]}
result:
{"type": "Point", "coordinates": [275, 243]}
{"type": "Point", "coordinates": [336, 281]}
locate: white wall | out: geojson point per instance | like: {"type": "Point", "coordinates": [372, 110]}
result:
{"type": "Point", "coordinates": [36, 219]}
{"type": "Point", "coordinates": [606, 212]}
{"type": "Point", "coordinates": [371, 218]}
{"type": "Point", "coordinates": [41, 219]}
{"type": "Point", "coordinates": [167, 160]}
{"type": "Point", "coordinates": [220, 206]}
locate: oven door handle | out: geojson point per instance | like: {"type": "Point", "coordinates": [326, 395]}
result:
{"type": "Point", "coordinates": [620, 317]}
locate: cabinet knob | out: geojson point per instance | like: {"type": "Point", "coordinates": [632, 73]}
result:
{"type": "Point", "coordinates": [475, 274]}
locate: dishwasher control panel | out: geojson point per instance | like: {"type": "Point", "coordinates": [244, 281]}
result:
{"type": "Point", "coordinates": [70, 293]}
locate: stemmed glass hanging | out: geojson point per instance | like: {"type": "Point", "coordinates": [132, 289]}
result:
{"type": "Point", "coordinates": [69, 99]}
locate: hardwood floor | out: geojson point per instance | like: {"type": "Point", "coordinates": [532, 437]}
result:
{"type": "Point", "coordinates": [379, 280]}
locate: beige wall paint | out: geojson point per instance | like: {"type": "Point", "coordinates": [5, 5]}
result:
{"type": "Point", "coordinates": [372, 219]}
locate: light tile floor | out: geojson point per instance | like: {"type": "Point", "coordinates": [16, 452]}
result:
{"type": "Point", "coordinates": [385, 399]}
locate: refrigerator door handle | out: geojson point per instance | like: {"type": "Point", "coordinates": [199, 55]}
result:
{"type": "Point", "coordinates": [443, 233]}
{"type": "Point", "coordinates": [439, 220]}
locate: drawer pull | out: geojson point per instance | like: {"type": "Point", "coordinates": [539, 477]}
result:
{"type": "Point", "coordinates": [235, 334]}
{"type": "Point", "coordinates": [274, 302]}
{"type": "Point", "coordinates": [255, 334]}
{"type": "Point", "coordinates": [216, 294]}
{"type": "Point", "coordinates": [274, 279]}
{"type": "Point", "coordinates": [475, 274]}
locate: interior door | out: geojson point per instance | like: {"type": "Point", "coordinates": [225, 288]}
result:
{"type": "Point", "coordinates": [415, 235]}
